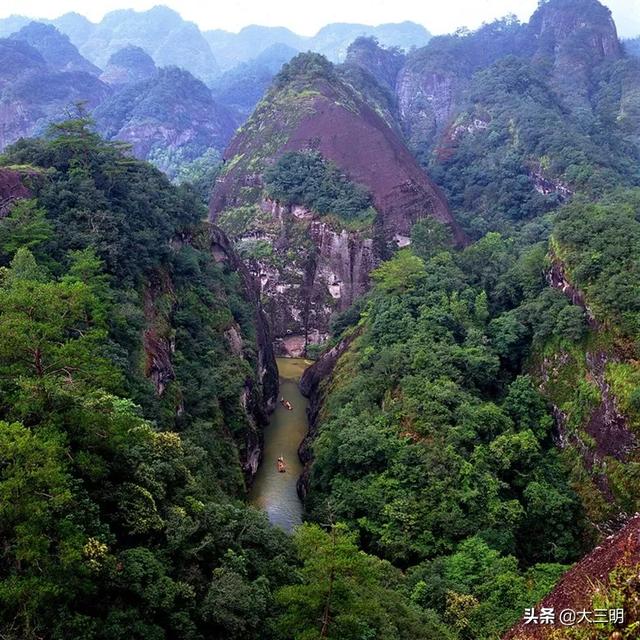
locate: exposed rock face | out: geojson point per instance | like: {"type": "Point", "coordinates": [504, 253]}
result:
{"type": "Point", "coordinates": [315, 270]}
{"type": "Point", "coordinates": [260, 391]}
{"type": "Point", "coordinates": [267, 370]}
{"type": "Point", "coordinates": [582, 583]}
{"type": "Point", "coordinates": [55, 48]}
{"type": "Point", "coordinates": [157, 339]}
{"type": "Point", "coordinates": [130, 64]}
{"type": "Point", "coordinates": [426, 102]}
{"type": "Point", "coordinates": [311, 387]}
{"type": "Point", "coordinates": [312, 107]}
{"type": "Point", "coordinates": [11, 189]}
{"type": "Point", "coordinates": [560, 25]}
{"type": "Point", "coordinates": [569, 37]}
{"type": "Point", "coordinates": [223, 251]}
{"type": "Point", "coordinates": [383, 64]}
{"type": "Point", "coordinates": [574, 36]}
{"type": "Point", "coordinates": [606, 434]}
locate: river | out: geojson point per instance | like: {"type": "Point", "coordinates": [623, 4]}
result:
{"type": "Point", "coordinates": [272, 491]}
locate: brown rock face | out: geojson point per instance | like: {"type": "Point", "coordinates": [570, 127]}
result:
{"type": "Point", "coordinates": [320, 266]}
{"type": "Point", "coordinates": [301, 289]}
{"type": "Point", "coordinates": [578, 586]}
{"type": "Point", "coordinates": [11, 189]}
{"type": "Point", "coordinates": [374, 156]}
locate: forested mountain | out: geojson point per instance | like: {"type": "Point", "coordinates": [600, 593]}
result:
{"type": "Point", "coordinates": [160, 31]}
{"type": "Point", "coordinates": [171, 119]}
{"type": "Point", "coordinates": [129, 64]}
{"type": "Point", "coordinates": [152, 112]}
{"type": "Point", "coordinates": [33, 94]}
{"type": "Point", "coordinates": [243, 86]}
{"type": "Point", "coordinates": [116, 449]}
{"type": "Point", "coordinates": [167, 115]}
{"type": "Point", "coordinates": [633, 46]}
{"type": "Point", "coordinates": [332, 40]}
{"type": "Point", "coordinates": [315, 195]}
{"type": "Point", "coordinates": [451, 233]}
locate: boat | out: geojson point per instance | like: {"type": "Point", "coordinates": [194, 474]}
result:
{"type": "Point", "coordinates": [281, 465]}
{"type": "Point", "coordinates": [286, 404]}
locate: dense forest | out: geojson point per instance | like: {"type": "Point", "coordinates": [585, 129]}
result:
{"type": "Point", "coordinates": [121, 506]}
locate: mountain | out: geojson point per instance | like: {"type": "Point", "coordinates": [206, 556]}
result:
{"type": "Point", "coordinates": [172, 41]}
{"type": "Point", "coordinates": [55, 48]}
{"type": "Point", "coordinates": [130, 64]}
{"type": "Point", "coordinates": [564, 67]}
{"type": "Point", "coordinates": [332, 40]}
{"type": "Point", "coordinates": [169, 376]}
{"type": "Point", "coordinates": [574, 37]}
{"type": "Point", "coordinates": [76, 26]}
{"type": "Point", "coordinates": [314, 111]}
{"type": "Point", "coordinates": [12, 24]}
{"type": "Point", "coordinates": [232, 49]}
{"type": "Point", "coordinates": [633, 46]}
{"type": "Point", "coordinates": [33, 94]}
{"type": "Point", "coordinates": [161, 32]}
{"type": "Point", "coordinates": [242, 87]}
{"type": "Point", "coordinates": [167, 115]}
{"type": "Point", "coordinates": [170, 119]}
{"type": "Point", "coordinates": [382, 63]}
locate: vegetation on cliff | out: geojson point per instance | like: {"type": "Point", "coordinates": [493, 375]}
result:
{"type": "Point", "coordinates": [307, 179]}
{"type": "Point", "coordinates": [120, 507]}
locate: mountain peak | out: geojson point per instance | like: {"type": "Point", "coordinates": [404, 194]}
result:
{"type": "Point", "coordinates": [560, 25]}
{"type": "Point", "coordinates": [55, 47]}
{"type": "Point", "coordinates": [129, 64]}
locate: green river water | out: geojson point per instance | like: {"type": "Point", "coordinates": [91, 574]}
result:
{"type": "Point", "coordinates": [272, 491]}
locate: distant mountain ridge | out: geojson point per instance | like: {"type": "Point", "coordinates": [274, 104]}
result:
{"type": "Point", "coordinates": [166, 114]}
{"type": "Point", "coordinates": [171, 40]}
{"type": "Point", "coordinates": [332, 40]}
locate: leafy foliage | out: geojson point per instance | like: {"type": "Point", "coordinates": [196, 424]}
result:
{"type": "Point", "coordinates": [432, 447]}
{"type": "Point", "coordinates": [306, 178]}
{"type": "Point", "coordinates": [121, 517]}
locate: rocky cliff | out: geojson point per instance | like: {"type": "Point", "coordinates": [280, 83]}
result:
{"type": "Point", "coordinates": [257, 403]}
{"type": "Point", "coordinates": [591, 424]}
{"type": "Point", "coordinates": [316, 264]}
{"type": "Point", "coordinates": [12, 189]}
{"type": "Point", "coordinates": [566, 39]}
{"type": "Point", "coordinates": [573, 37]}
{"type": "Point", "coordinates": [383, 64]}
{"type": "Point", "coordinates": [588, 583]}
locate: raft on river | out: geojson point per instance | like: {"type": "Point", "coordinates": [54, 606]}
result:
{"type": "Point", "coordinates": [281, 465]}
{"type": "Point", "coordinates": [286, 404]}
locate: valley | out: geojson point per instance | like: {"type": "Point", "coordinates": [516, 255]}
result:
{"type": "Point", "coordinates": [273, 491]}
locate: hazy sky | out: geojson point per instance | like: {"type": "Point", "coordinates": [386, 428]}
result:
{"type": "Point", "coordinates": [439, 16]}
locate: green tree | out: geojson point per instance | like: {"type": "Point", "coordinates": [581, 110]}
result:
{"type": "Point", "coordinates": [344, 593]}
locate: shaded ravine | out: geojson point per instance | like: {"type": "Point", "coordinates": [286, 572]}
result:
{"type": "Point", "coordinates": [272, 491]}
